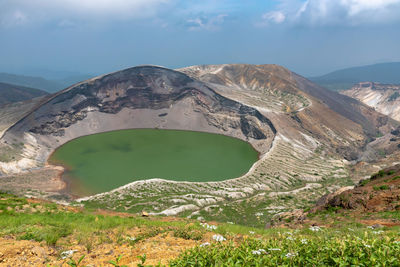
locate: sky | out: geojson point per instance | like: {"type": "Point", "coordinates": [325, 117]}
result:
{"type": "Point", "coordinates": [310, 37]}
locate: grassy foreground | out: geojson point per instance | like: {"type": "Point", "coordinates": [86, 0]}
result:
{"type": "Point", "coordinates": [64, 235]}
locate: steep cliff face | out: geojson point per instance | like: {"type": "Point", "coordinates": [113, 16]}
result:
{"type": "Point", "coordinates": [140, 97]}
{"type": "Point", "coordinates": [384, 98]}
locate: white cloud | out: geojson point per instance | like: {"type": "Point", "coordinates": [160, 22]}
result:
{"type": "Point", "coordinates": [68, 10]}
{"type": "Point", "coordinates": [276, 17]}
{"type": "Point", "coordinates": [13, 18]}
{"type": "Point", "coordinates": [205, 23]}
{"type": "Point", "coordinates": [125, 7]}
{"type": "Point", "coordinates": [335, 12]}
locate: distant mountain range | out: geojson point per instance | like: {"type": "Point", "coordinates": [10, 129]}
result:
{"type": "Point", "coordinates": [10, 93]}
{"type": "Point", "coordinates": [388, 73]}
{"type": "Point", "coordinates": [49, 85]}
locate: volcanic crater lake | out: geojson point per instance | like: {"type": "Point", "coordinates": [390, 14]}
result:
{"type": "Point", "coordinates": [102, 162]}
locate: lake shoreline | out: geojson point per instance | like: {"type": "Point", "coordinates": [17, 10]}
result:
{"type": "Point", "coordinates": [199, 164]}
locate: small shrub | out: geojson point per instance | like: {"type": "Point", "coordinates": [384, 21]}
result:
{"type": "Point", "coordinates": [381, 173]}
{"type": "Point", "coordinates": [332, 209]}
{"type": "Point", "coordinates": [286, 197]}
{"type": "Point", "coordinates": [188, 233]}
{"type": "Point", "coordinates": [364, 182]}
{"type": "Point", "coordinates": [381, 187]}
{"type": "Point", "coordinates": [395, 178]}
{"type": "Point", "coordinates": [391, 172]}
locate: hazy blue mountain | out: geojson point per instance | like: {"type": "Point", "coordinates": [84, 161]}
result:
{"type": "Point", "coordinates": [344, 79]}
{"type": "Point", "coordinates": [10, 93]}
{"type": "Point", "coordinates": [29, 81]}
{"type": "Point", "coordinates": [48, 85]}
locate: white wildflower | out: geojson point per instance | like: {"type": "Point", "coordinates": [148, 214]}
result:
{"type": "Point", "coordinates": [274, 249]}
{"type": "Point", "coordinates": [205, 244]}
{"type": "Point", "coordinates": [304, 241]}
{"type": "Point", "coordinates": [258, 252]}
{"type": "Point", "coordinates": [252, 232]}
{"type": "Point", "coordinates": [130, 238]}
{"type": "Point", "coordinates": [367, 246]}
{"type": "Point", "coordinates": [315, 228]}
{"type": "Point", "coordinates": [208, 227]}
{"type": "Point", "coordinates": [377, 232]}
{"type": "Point", "coordinates": [68, 253]}
{"type": "Point", "coordinates": [259, 214]}
{"type": "Point", "coordinates": [230, 223]}
{"type": "Point", "coordinates": [290, 238]}
{"type": "Point", "coordinates": [290, 255]}
{"type": "Point", "coordinates": [370, 227]}
{"type": "Point", "coordinates": [219, 238]}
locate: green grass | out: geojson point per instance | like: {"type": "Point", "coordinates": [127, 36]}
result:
{"type": "Point", "coordinates": [298, 249]}
{"type": "Point", "coordinates": [52, 224]}
{"type": "Point", "coordinates": [101, 162]}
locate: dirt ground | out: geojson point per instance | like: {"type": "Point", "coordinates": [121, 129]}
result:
{"type": "Point", "coordinates": [158, 249]}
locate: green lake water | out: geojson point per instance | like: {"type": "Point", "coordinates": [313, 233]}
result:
{"type": "Point", "coordinates": [101, 162]}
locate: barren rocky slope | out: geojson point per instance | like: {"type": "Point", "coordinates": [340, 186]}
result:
{"type": "Point", "coordinates": [342, 121]}
{"type": "Point", "coordinates": [384, 98]}
{"type": "Point", "coordinates": [307, 136]}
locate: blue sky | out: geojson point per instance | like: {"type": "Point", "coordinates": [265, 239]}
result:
{"type": "Point", "coordinates": [310, 37]}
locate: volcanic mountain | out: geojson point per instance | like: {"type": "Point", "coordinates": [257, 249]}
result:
{"type": "Point", "coordinates": [141, 97]}
{"type": "Point", "coordinates": [306, 135]}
